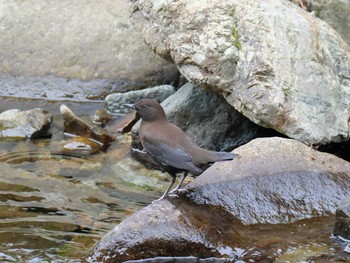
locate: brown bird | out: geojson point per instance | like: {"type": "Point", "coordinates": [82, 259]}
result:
{"type": "Point", "coordinates": [169, 145]}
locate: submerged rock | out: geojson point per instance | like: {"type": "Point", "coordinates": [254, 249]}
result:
{"type": "Point", "coordinates": [273, 181]}
{"type": "Point", "coordinates": [75, 125]}
{"type": "Point", "coordinates": [114, 102]}
{"type": "Point", "coordinates": [80, 146]}
{"type": "Point", "coordinates": [292, 76]}
{"type": "Point", "coordinates": [16, 124]}
{"type": "Point", "coordinates": [102, 117]}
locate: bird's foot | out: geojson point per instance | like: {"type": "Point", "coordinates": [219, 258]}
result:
{"type": "Point", "coordinates": [173, 195]}
{"type": "Point", "coordinates": [178, 191]}
{"type": "Point", "coordinates": [170, 195]}
{"type": "Point", "coordinates": [155, 201]}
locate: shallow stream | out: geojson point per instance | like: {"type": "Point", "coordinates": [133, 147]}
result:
{"type": "Point", "coordinates": [54, 208]}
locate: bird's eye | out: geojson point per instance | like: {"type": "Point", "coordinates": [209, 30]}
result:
{"type": "Point", "coordinates": [143, 106]}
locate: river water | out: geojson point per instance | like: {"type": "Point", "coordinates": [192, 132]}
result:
{"type": "Point", "coordinates": [54, 208]}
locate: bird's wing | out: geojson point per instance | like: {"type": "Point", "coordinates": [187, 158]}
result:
{"type": "Point", "coordinates": [168, 155]}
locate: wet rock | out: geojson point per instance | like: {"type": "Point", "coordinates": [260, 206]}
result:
{"type": "Point", "coordinates": [16, 124]}
{"type": "Point", "coordinates": [102, 117]}
{"type": "Point", "coordinates": [114, 102]}
{"type": "Point", "coordinates": [165, 229]}
{"type": "Point", "coordinates": [74, 125]}
{"type": "Point", "coordinates": [80, 146]}
{"type": "Point", "coordinates": [274, 180]}
{"type": "Point", "coordinates": [209, 119]}
{"type": "Point", "coordinates": [342, 223]}
{"type": "Point", "coordinates": [115, 123]}
{"type": "Point", "coordinates": [290, 76]}
{"type": "Point", "coordinates": [109, 58]}
{"type": "Point", "coordinates": [125, 124]}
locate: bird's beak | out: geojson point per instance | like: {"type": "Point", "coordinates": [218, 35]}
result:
{"type": "Point", "coordinates": [131, 106]}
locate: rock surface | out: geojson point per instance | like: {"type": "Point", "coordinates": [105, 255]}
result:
{"type": "Point", "coordinates": [16, 124]}
{"type": "Point", "coordinates": [125, 124]}
{"type": "Point", "coordinates": [164, 229]}
{"type": "Point", "coordinates": [287, 76]}
{"type": "Point", "coordinates": [76, 126]}
{"type": "Point", "coordinates": [80, 146]}
{"type": "Point", "coordinates": [71, 45]}
{"type": "Point", "coordinates": [209, 119]}
{"type": "Point", "coordinates": [273, 181]}
{"type": "Point", "coordinates": [335, 13]}
{"type": "Point", "coordinates": [114, 102]}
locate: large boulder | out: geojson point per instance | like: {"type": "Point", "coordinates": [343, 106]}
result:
{"type": "Point", "coordinates": [207, 118]}
{"type": "Point", "coordinates": [74, 50]}
{"type": "Point", "coordinates": [280, 66]}
{"type": "Point", "coordinates": [335, 13]}
{"type": "Point", "coordinates": [273, 180]}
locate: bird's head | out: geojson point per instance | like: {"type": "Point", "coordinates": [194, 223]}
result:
{"type": "Point", "coordinates": [148, 109]}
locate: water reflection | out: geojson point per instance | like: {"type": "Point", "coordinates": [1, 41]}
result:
{"type": "Point", "coordinates": [53, 207]}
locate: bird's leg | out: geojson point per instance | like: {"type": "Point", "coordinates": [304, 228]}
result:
{"type": "Point", "coordinates": [177, 188]}
{"type": "Point", "coordinates": [168, 189]}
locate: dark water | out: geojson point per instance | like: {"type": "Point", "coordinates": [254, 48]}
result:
{"type": "Point", "coordinates": [54, 208]}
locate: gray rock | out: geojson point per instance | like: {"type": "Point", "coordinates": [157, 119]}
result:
{"type": "Point", "coordinates": [335, 13]}
{"type": "Point", "coordinates": [291, 76]}
{"type": "Point", "coordinates": [16, 124]}
{"type": "Point", "coordinates": [57, 88]}
{"type": "Point", "coordinates": [273, 180]}
{"type": "Point", "coordinates": [166, 229]}
{"type": "Point", "coordinates": [51, 44]}
{"type": "Point", "coordinates": [207, 118]}
{"type": "Point", "coordinates": [114, 102]}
